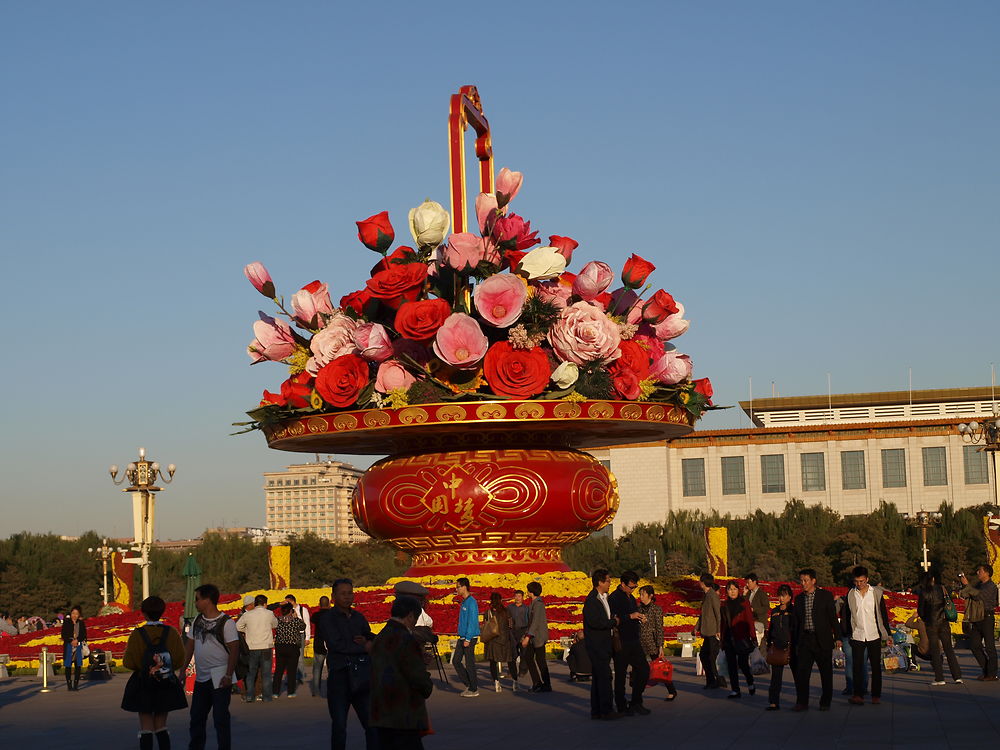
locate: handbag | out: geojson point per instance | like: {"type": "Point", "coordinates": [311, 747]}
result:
{"type": "Point", "coordinates": [85, 650]}
{"type": "Point", "coordinates": [778, 657]}
{"type": "Point", "coordinates": [660, 671]}
{"type": "Point", "coordinates": [491, 630]}
{"type": "Point", "coordinates": [950, 611]}
{"type": "Point", "coordinates": [744, 646]}
{"type": "Point", "coordinates": [975, 611]}
{"type": "Point", "coordinates": [616, 641]}
{"type": "Point", "coordinates": [359, 673]}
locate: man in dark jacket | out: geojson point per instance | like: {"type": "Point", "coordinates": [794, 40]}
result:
{"type": "Point", "coordinates": [981, 632]}
{"type": "Point", "coordinates": [597, 640]}
{"type": "Point", "coordinates": [709, 627]}
{"type": "Point", "coordinates": [626, 613]}
{"type": "Point", "coordinates": [819, 632]}
{"type": "Point", "coordinates": [400, 682]}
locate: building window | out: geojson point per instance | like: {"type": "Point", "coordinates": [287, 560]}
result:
{"type": "Point", "coordinates": [976, 471]}
{"type": "Point", "coordinates": [772, 473]}
{"type": "Point", "coordinates": [693, 471]}
{"type": "Point", "coordinates": [813, 472]}
{"type": "Point", "coordinates": [734, 481]}
{"type": "Point", "coordinates": [935, 467]}
{"type": "Point", "coordinates": [852, 469]}
{"type": "Point", "coordinates": [894, 467]}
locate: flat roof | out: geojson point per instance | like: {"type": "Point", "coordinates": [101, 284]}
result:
{"type": "Point", "coordinates": [882, 398]}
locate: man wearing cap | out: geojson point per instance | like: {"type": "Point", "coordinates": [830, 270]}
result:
{"type": "Point", "coordinates": [258, 624]}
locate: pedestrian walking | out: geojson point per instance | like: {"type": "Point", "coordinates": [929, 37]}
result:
{"type": "Point", "coordinates": [319, 648]}
{"type": "Point", "coordinates": [982, 596]}
{"type": "Point", "coordinates": [287, 649]}
{"type": "Point", "coordinates": [651, 631]}
{"type": "Point", "coordinates": [257, 625]}
{"type": "Point", "coordinates": [519, 616]}
{"type": "Point", "coordinates": [74, 638]}
{"type": "Point", "coordinates": [597, 640]}
{"type": "Point", "coordinates": [534, 640]}
{"type": "Point", "coordinates": [759, 604]}
{"type": "Point", "coordinates": [302, 612]}
{"type": "Point", "coordinates": [739, 639]}
{"type": "Point", "coordinates": [499, 626]}
{"type": "Point", "coordinates": [820, 632]}
{"type": "Point", "coordinates": [866, 626]}
{"type": "Point", "coordinates": [931, 609]}
{"type": "Point", "coordinates": [780, 640]}
{"type": "Point", "coordinates": [154, 653]}
{"type": "Point", "coordinates": [709, 627]}
{"type": "Point", "coordinates": [464, 657]}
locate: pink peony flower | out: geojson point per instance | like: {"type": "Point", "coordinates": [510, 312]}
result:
{"type": "Point", "coordinates": [583, 334]}
{"type": "Point", "coordinates": [486, 209]}
{"type": "Point", "coordinates": [465, 251]}
{"type": "Point", "coordinates": [336, 340]}
{"type": "Point", "coordinates": [274, 340]}
{"type": "Point", "coordinates": [260, 278]}
{"type": "Point", "coordinates": [392, 376]}
{"type": "Point", "coordinates": [556, 291]}
{"type": "Point", "coordinates": [507, 185]}
{"type": "Point", "coordinates": [373, 341]}
{"type": "Point", "coordinates": [671, 368]}
{"type": "Point", "coordinates": [460, 341]}
{"type": "Point", "coordinates": [514, 233]}
{"type": "Point", "coordinates": [593, 279]}
{"type": "Point", "coordinates": [310, 301]}
{"type": "Point", "coordinates": [673, 325]}
{"type": "Point", "coordinates": [500, 299]}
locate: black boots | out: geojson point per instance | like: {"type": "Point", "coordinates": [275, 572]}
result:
{"type": "Point", "coordinates": [163, 739]}
{"type": "Point", "coordinates": [76, 677]}
{"type": "Point", "coordinates": [145, 740]}
{"type": "Point", "coordinates": [69, 678]}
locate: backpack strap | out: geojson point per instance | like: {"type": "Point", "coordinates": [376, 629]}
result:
{"type": "Point", "coordinates": [144, 635]}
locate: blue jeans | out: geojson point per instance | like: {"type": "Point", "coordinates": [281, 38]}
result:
{"type": "Point", "coordinates": [72, 655]}
{"type": "Point", "coordinates": [207, 698]}
{"type": "Point", "coordinates": [317, 679]}
{"type": "Point", "coordinates": [465, 663]}
{"type": "Point", "coordinates": [260, 659]}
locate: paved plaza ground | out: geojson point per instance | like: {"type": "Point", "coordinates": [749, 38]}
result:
{"type": "Point", "coordinates": [913, 715]}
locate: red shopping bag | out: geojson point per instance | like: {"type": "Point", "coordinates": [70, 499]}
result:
{"type": "Point", "coordinates": [660, 671]}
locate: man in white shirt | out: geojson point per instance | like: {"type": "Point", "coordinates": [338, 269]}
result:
{"type": "Point", "coordinates": [215, 646]}
{"type": "Point", "coordinates": [866, 623]}
{"type": "Point", "coordinates": [258, 626]}
{"type": "Point", "coordinates": [303, 613]}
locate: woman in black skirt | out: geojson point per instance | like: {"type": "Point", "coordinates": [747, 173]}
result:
{"type": "Point", "coordinates": [154, 654]}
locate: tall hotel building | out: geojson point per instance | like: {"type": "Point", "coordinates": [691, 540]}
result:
{"type": "Point", "coordinates": [849, 452]}
{"type": "Point", "coordinates": [313, 497]}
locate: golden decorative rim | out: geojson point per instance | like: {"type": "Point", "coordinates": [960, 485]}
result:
{"type": "Point", "coordinates": [472, 424]}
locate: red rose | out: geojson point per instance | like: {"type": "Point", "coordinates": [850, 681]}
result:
{"type": "Point", "coordinates": [659, 307]}
{"type": "Point", "coordinates": [339, 382]}
{"type": "Point", "coordinates": [376, 232]}
{"type": "Point", "coordinates": [635, 357]}
{"type": "Point", "coordinates": [271, 399]}
{"type": "Point", "coordinates": [420, 320]}
{"type": "Point", "coordinates": [356, 301]}
{"type": "Point", "coordinates": [297, 390]}
{"type": "Point", "coordinates": [513, 257]}
{"type": "Point", "coordinates": [396, 257]}
{"type": "Point", "coordinates": [398, 284]}
{"type": "Point", "coordinates": [704, 387]}
{"type": "Point", "coordinates": [516, 373]}
{"type": "Point", "coordinates": [624, 381]}
{"type": "Point", "coordinates": [636, 271]}
{"type": "Point", "coordinates": [565, 245]}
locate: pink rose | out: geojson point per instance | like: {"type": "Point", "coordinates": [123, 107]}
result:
{"type": "Point", "coordinates": [486, 209]}
{"type": "Point", "coordinates": [460, 341]}
{"type": "Point", "coordinates": [373, 341]}
{"type": "Point", "coordinates": [310, 301]}
{"type": "Point", "coordinates": [392, 376]}
{"type": "Point", "coordinates": [465, 251]}
{"type": "Point", "coordinates": [671, 368]}
{"type": "Point", "coordinates": [593, 279]}
{"type": "Point", "coordinates": [507, 186]}
{"type": "Point", "coordinates": [673, 325]}
{"type": "Point", "coordinates": [500, 299]}
{"type": "Point", "coordinates": [260, 278]}
{"type": "Point", "coordinates": [274, 340]}
{"type": "Point", "coordinates": [336, 340]}
{"type": "Point", "coordinates": [556, 291]}
{"type": "Point", "coordinates": [583, 334]}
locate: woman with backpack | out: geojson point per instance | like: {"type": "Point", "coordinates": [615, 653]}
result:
{"type": "Point", "coordinates": [154, 653]}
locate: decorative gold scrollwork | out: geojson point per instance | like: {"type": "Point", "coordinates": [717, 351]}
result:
{"type": "Point", "coordinates": [377, 418]}
{"type": "Point", "coordinates": [316, 424]}
{"type": "Point", "coordinates": [632, 411]}
{"type": "Point", "coordinates": [450, 413]}
{"type": "Point", "coordinates": [655, 413]}
{"type": "Point", "coordinates": [296, 428]}
{"type": "Point", "coordinates": [413, 415]}
{"type": "Point", "coordinates": [529, 410]}
{"type": "Point", "coordinates": [491, 411]}
{"type": "Point", "coordinates": [567, 410]}
{"type": "Point", "coordinates": [600, 410]}
{"type": "Point", "coordinates": [345, 422]}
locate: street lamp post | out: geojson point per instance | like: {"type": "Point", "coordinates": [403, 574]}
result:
{"type": "Point", "coordinates": [104, 553]}
{"type": "Point", "coordinates": [141, 476]}
{"type": "Point", "coordinates": [987, 433]}
{"type": "Point", "coordinates": [923, 521]}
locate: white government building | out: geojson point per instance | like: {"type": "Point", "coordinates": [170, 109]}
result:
{"type": "Point", "coordinates": [849, 452]}
{"type": "Point", "coordinates": [312, 497]}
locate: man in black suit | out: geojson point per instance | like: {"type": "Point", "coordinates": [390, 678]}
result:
{"type": "Point", "coordinates": [628, 617]}
{"type": "Point", "coordinates": [597, 640]}
{"type": "Point", "coordinates": [819, 632]}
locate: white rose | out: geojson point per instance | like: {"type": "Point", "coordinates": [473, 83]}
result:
{"type": "Point", "coordinates": [542, 263]}
{"type": "Point", "coordinates": [429, 223]}
{"type": "Point", "coordinates": [565, 375]}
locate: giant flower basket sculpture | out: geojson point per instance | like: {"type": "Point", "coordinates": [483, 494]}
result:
{"type": "Point", "coordinates": [481, 367]}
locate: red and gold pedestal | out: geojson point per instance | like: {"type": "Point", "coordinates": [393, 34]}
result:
{"type": "Point", "coordinates": [483, 487]}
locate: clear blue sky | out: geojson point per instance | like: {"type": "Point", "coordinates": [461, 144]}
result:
{"type": "Point", "coordinates": [817, 182]}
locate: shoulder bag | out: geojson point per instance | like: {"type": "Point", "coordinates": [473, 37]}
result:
{"type": "Point", "coordinates": [490, 629]}
{"type": "Point", "coordinates": [950, 611]}
{"type": "Point", "coordinates": [778, 657]}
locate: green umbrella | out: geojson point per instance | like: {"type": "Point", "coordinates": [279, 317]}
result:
{"type": "Point", "coordinates": [192, 577]}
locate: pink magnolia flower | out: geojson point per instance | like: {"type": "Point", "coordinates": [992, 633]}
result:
{"type": "Point", "coordinates": [260, 278]}
{"type": "Point", "coordinates": [671, 368]}
{"type": "Point", "coordinates": [486, 208]}
{"type": "Point", "coordinates": [593, 279]}
{"type": "Point", "coordinates": [460, 341]}
{"type": "Point", "coordinates": [507, 185]}
{"type": "Point", "coordinates": [274, 340]}
{"type": "Point", "coordinates": [583, 334]}
{"type": "Point", "coordinates": [392, 376]}
{"type": "Point", "coordinates": [310, 301]}
{"type": "Point", "coordinates": [373, 341]}
{"type": "Point", "coordinates": [336, 340]}
{"type": "Point", "coordinates": [500, 299]}
{"type": "Point", "coordinates": [465, 251]}
{"type": "Point", "coordinates": [556, 291]}
{"type": "Point", "coordinates": [673, 325]}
